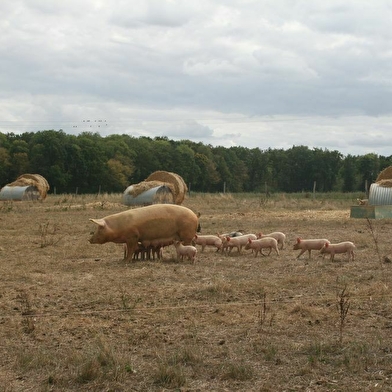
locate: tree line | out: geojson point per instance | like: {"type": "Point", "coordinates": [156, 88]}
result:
{"type": "Point", "coordinates": [89, 162]}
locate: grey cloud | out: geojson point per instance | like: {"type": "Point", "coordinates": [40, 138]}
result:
{"type": "Point", "coordinates": [153, 12]}
{"type": "Point", "coordinates": [185, 129]}
{"type": "Point", "coordinates": [181, 60]}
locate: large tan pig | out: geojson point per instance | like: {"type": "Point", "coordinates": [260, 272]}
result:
{"type": "Point", "coordinates": [146, 224]}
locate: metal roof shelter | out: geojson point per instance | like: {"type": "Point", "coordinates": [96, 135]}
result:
{"type": "Point", "coordinates": [19, 193]}
{"type": "Point", "coordinates": [380, 195]}
{"type": "Point", "coordinates": [157, 195]}
{"type": "Point", "coordinates": [379, 204]}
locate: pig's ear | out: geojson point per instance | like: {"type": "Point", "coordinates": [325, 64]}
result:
{"type": "Point", "coordinates": [99, 222]}
{"type": "Point", "coordinates": [298, 240]}
{"type": "Point", "coordinates": [326, 244]}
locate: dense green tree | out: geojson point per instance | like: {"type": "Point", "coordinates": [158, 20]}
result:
{"type": "Point", "coordinates": [163, 150]}
{"type": "Point", "coordinates": [222, 167]}
{"type": "Point", "coordinates": [300, 169]}
{"type": "Point", "coordinates": [348, 174]}
{"type": "Point", "coordinates": [238, 169]}
{"type": "Point", "coordinates": [384, 162]}
{"type": "Point", "coordinates": [89, 162]}
{"type": "Point", "coordinates": [120, 161]}
{"type": "Point", "coordinates": [326, 166]}
{"type": "Point", "coordinates": [368, 167]}
{"type": "Point", "coordinates": [118, 175]}
{"type": "Point", "coordinates": [92, 172]}
{"type": "Point", "coordinates": [208, 174]}
{"type": "Point", "coordinates": [278, 170]}
{"type": "Point", "coordinates": [145, 161]}
{"type": "Point", "coordinates": [48, 156]}
{"type": "Point", "coordinates": [259, 171]}
{"type": "Point", "coordinates": [184, 157]}
{"type": "Point", "coordinates": [5, 167]}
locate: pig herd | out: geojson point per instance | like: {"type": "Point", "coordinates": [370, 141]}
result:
{"type": "Point", "coordinates": [145, 231]}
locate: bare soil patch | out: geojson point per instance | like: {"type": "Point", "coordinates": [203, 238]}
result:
{"type": "Point", "coordinates": [74, 317]}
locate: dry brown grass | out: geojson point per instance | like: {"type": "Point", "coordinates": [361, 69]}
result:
{"type": "Point", "coordinates": [74, 317]}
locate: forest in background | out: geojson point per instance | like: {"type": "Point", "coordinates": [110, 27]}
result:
{"type": "Point", "coordinates": [90, 162]}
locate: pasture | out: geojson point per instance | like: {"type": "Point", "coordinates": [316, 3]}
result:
{"type": "Point", "coordinates": [74, 317]}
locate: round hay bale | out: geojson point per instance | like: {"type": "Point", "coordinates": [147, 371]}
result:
{"type": "Point", "coordinates": [143, 186]}
{"type": "Point", "coordinates": [385, 183]}
{"type": "Point", "coordinates": [33, 180]}
{"type": "Point", "coordinates": [176, 180]}
{"type": "Point", "coordinates": [385, 174]}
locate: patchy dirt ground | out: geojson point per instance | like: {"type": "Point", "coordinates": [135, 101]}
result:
{"type": "Point", "coordinates": [74, 317]}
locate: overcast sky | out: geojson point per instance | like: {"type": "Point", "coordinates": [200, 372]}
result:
{"type": "Point", "coordinates": [252, 73]}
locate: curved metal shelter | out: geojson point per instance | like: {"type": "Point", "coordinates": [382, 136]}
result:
{"type": "Point", "coordinates": [380, 195]}
{"type": "Point", "coordinates": [379, 204]}
{"type": "Point", "coordinates": [157, 195]}
{"type": "Point", "coordinates": [19, 193]}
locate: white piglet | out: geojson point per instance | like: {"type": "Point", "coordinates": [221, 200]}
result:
{"type": "Point", "coordinates": [279, 236]}
{"type": "Point", "coordinates": [208, 240]}
{"type": "Point", "coordinates": [188, 251]}
{"type": "Point", "coordinates": [309, 245]}
{"type": "Point", "coordinates": [238, 242]}
{"type": "Point", "coordinates": [341, 247]}
{"type": "Point", "coordinates": [263, 243]}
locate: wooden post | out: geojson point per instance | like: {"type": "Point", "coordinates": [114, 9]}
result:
{"type": "Point", "coordinates": [314, 189]}
{"type": "Point", "coordinates": [224, 187]}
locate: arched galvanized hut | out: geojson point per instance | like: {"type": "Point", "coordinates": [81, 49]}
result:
{"type": "Point", "coordinates": [19, 193]}
{"type": "Point", "coordinates": [379, 204]}
{"type": "Point", "coordinates": [161, 194]}
{"type": "Point", "coordinates": [380, 195]}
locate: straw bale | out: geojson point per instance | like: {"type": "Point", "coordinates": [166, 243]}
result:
{"type": "Point", "coordinates": [176, 180]}
{"type": "Point", "coordinates": [385, 183]}
{"type": "Point", "coordinates": [143, 186]}
{"type": "Point", "coordinates": [385, 174]}
{"type": "Point", "coordinates": [33, 180]}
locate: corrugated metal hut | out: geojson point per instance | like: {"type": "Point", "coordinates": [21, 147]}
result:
{"type": "Point", "coordinates": [19, 193]}
{"type": "Point", "coordinates": [29, 180]}
{"type": "Point", "coordinates": [380, 195]}
{"type": "Point", "coordinates": [160, 194]}
{"type": "Point", "coordinates": [159, 187]}
{"type": "Point", "coordinates": [379, 204]}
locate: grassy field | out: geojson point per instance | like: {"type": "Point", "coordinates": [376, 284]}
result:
{"type": "Point", "coordinates": [75, 317]}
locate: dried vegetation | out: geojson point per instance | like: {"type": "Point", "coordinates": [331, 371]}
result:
{"type": "Point", "coordinates": [74, 317]}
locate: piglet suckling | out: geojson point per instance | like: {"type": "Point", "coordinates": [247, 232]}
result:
{"type": "Point", "coordinates": [146, 224]}
{"type": "Point", "coordinates": [309, 245]}
{"type": "Point", "coordinates": [341, 247]}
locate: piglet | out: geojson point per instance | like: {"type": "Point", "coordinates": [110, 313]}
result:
{"type": "Point", "coordinates": [185, 250]}
{"type": "Point", "coordinates": [342, 247]}
{"type": "Point", "coordinates": [208, 240]}
{"type": "Point", "coordinates": [309, 245]}
{"type": "Point", "coordinates": [279, 236]}
{"type": "Point", "coordinates": [238, 242]}
{"type": "Point", "coordinates": [261, 243]}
